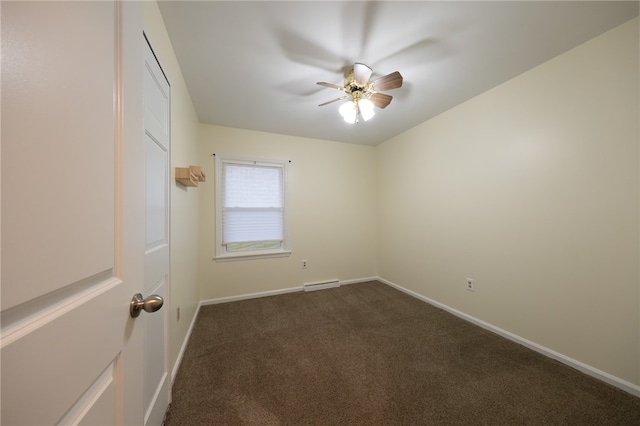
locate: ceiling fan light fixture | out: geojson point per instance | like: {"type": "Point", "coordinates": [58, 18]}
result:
{"type": "Point", "coordinates": [366, 109]}
{"type": "Point", "coordinates": [364, 93]}
{"type": "Point", "coordinates": [348, 112]}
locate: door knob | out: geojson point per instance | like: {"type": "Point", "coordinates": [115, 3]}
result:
{"type": "Point", "coordinates": [150, 304]}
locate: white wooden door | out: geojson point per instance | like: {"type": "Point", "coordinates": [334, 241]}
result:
{"type": "Point", "coordinates": [72, 213]}
{"type": "Point", "coordinates": [156, 270]}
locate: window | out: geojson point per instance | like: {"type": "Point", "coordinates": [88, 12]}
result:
{"type": "Point", "coordinates": [251, 213]}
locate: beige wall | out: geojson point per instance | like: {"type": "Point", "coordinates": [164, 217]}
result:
{"type": "Point", "coordinates": [184, 201]}
{"type": "Point", "coordinates": [532, 189]}
{"type": "Point", "coordinates": [332, 200]}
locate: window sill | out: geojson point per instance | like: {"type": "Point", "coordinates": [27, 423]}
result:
{"type": "Point", "coordinates": [249, 256]}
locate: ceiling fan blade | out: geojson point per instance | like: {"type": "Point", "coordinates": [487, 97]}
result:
{"type": "Point", "coordinates": [361, 73]}
{"type": "Point", "coordinates": [380, 100]}
{"type": "Point", "coordinates": [388, 82]}
{"type": "Point", "coordinates": [334, 100]}
{"type": "Point", "coordinates": [330, 85]}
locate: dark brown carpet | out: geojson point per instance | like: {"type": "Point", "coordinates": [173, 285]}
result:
{"type": "Point", "coordinates": [367, 354]}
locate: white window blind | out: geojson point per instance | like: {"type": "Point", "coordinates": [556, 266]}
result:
{"type": "Point", "coordinates": [251, 208]}
{"type": "Point", "coordinates": [252, 198]}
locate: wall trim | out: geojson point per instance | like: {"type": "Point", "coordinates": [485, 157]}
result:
{"type": "Point", "coordinates": [359, 280]}
{"type": "Point", "coordinates": [176, 365]}
{"type": "Point", "coordinates": [580, 366]}
{"type": "Point", "coordinates": [276, 292]}
{"type": "Point", "coordinates": [250, 296]}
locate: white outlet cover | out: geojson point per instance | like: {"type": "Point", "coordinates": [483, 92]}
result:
{"type": "Point", "coordinates": [470, 284]}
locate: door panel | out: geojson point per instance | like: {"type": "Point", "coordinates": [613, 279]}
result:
{"type": "Point", "coordinates": [156, 270]}
{"type": "Point", "coordinates": [156, 100]}
{"type": "Point", "coordinates": [68, 345]}
{"type": "Point", "coordinates": [156, 196]}
{"type": "Point", "coordinates": [156, 392]}
{"type": "Point", "coordinates": [54, 150]}
{"type": "Point", "coordinates": [95, 406]}
{"type": "Point", "coordinates": [100, 412]}
{"type": "Point", "coordinates": [65, 352]}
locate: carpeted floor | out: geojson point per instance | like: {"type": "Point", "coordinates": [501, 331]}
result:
{"type": "Point", "coordinates": [367, 354]}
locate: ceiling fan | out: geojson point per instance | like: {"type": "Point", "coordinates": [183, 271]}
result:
{"type": "Point", "coordinates": [364, 94]}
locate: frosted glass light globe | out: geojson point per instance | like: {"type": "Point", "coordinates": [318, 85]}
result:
{"type": "Point", "coordinates": [348, 112]}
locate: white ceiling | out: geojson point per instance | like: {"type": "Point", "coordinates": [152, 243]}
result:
{"type": "Point", "coordinates": [254, 65]}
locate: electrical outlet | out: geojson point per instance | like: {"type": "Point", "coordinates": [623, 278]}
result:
{"type": "Point", "coordinates": [470, 284]}
{"type": "Point", "coordinates": [178, 313]}
{"type": "Point", "coordinates": [304, 264]}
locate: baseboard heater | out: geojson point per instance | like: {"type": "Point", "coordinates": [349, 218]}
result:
{"type": "Point", "coordinates": [320, 285]}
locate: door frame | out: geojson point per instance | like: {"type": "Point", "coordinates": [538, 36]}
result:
{"type": "Point", "coordinates": [130, 178]}
{"type": "Point", "coordinates": [154, 412]}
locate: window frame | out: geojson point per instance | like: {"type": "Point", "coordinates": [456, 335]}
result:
{"type": "Point", "coordinates": [221, 254]}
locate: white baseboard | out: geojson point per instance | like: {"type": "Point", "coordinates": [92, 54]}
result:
{"type": "Point", "coordinates": [250, 296]}
{"type": "Point", "coordinates": [580, 366]}
{"type": "Point", "coordinates": [276, 292]}
{"type": "Point", "coordinates": [176, 365]}
{"type": "Point", "coordinates": [359, 280]}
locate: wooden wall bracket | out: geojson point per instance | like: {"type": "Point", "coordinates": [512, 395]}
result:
{"type": "Point", "coordinates": [190, 176]}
